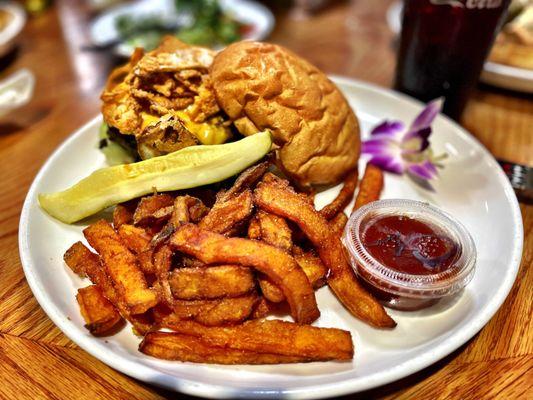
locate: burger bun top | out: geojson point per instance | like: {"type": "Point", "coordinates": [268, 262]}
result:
{"type": "Point", "coordinates": [264, 86]}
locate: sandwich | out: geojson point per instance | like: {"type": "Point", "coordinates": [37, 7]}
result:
{"type": "Point", "coordinates": [179, 95]}
{"type": "Point", "coordinates": [514, 44]}
{"type": "Point", "coordinates": [162, 101]}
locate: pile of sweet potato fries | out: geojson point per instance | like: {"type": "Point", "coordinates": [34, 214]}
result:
{"type": "Point", "coordinates": [197, 282]}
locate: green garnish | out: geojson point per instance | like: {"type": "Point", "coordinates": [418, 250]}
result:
{"type": "Point", "coordinates": [209, 26]}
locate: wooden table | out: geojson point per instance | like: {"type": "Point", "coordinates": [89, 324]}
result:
{"type": "Point", "coordinates": [38, 361]}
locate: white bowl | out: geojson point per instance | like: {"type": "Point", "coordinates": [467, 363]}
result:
{"type": "Point", "coordinates": [9, 35]}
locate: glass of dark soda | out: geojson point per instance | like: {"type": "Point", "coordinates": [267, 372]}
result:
{"type": "Point", "coordinates": [443, 46]}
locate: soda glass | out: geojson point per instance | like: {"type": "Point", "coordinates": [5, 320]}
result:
{"type": "Point", "coordinates": [443, 46]}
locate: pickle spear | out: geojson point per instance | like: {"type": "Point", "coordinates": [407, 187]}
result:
{"type": "Point", "coordinates": [186, 168]}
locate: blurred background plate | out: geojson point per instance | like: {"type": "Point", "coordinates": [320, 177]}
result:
{"type": "Point", "coordinates": [503, 76]}
{"type": "Point", "coordinates": [508, 77]}
{"type": "Point", "coordinates": [257, 18]}
{"type": "Point", "coordinates": [15, 22]}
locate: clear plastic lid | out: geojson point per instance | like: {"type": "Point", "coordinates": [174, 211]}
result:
{"type": "Point", "coordinates": [440, 284]}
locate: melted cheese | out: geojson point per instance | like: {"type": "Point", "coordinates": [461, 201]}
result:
{"type": "Point", "coordinates": [148, 119]}
{"type": "Point", "coordinates": [206, 133]}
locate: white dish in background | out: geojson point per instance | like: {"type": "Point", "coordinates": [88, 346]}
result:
{"type": "Point", "coordinates": [472, 187]}
{"type": "Point", "coordinates": [394, 17]}
{"type": "Point", "coordinates": [500, 75]}
{"type": "Point", "coordinates": [16, 90]}
{"type": "Point", "coordinates": [508, 77]}
{"type": "Point", "coordinates": [9, 35]}
{"type": "Point", "coordinates": [103, 30]}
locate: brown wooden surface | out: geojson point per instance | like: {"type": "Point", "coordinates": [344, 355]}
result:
{"type": "Point", "coordinates": [38, 361]}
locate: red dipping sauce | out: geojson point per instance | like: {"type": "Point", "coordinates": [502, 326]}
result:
{"type": "Point", "coordinates": [409, 254]}
{"type": "Point", "coordinates": [409, 245]}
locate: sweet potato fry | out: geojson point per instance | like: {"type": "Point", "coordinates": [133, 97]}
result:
{"type": "Point", "coordinates": [228, 213]}
{"type": "Point", "coordinates": [279, 266]}
{"type": "Point", "coordinates": [174, 346]}
{"type": "Point", "coordinates": [123, 213]}
{"type": "Point", "coordinates": [254, 229]}
{"type": "Point", "coordinates": [370, 187]}
{"type": "Point", "coordinates": [145, 262]}
{"type": "Point", "coordinates": [228, 311]}
{"type": "Point", "coordinates": [80, 257]}
{"type": "Point", "coordinates": [121, 267]}
{"type": "Point", "coordinates": [270, 290]}
{"type": "Point", "coordinates": [180, 213]}
{"type": "Point", "coordinates": [225, 311]}
{"type": "Point", "coordinates": [246, 179]}
{"type": "Point", "coordinates": [343, 198]}
{"type": "Point", "coordinates": [162, 236]}
{"type": "Point", "coordinates": [211, 282]}
{"type": "Point", "coordinates": [162, 261]}
{"type": "Point", "coordinates": [338, 223]}
{"type": "Point", "coordinates": [274, 231]}
{"type": "Point", "coordinates": [277, 197]}
{"type": "Point", "coordinates": [313, 267]}
{"type": "Point", "coordinates": [77, 258]}
{"type": "Point", "coordinates": [190, 262]}
{"type": "Point", "coordinates": [137, 240]}
{"type": "Point", "coordinates": [141, 323]}
{"type": "Point", "coordinates": [262, 308]}
{"type": "Point", "coordinates": [197, 210]}
{"type": "Point", "coordinates": [153, 208]}
{"type": "Point", "coordinates": [187, 209]}
{"type": "Point", "coordinates": [275, 337]}
{"type": "Point", "coordinates": [101, 317]}
{"type": "Point", "coordinates": [159, 216]}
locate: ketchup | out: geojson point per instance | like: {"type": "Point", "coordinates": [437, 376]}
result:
{"type": "Point", "coordinates": [409, 254]}
{"type": "Point", "coordinates": [409, 246]}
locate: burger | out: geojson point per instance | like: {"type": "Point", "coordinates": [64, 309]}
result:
{"type": "Point", "coordinates": [179, 95]}
{"type": "Point", "coordinates": [163, 101]}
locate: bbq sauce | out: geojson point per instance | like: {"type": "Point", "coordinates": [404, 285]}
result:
{"type": "Point", "coordinates": [409, 246]}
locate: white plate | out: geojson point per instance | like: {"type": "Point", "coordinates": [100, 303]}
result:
{"type": "Point", "coordinates": [500, 75]}
{"type": "Point", "coordinates": [507, 77]}
{"type": "Point", "coordinates": [103, 30]}
{"type": "Point", "coordinates": [16, 90]}
{"type": "Point", "coordinates": [9, 35]}
{"type": "Point", "coordinates": [472, 187]}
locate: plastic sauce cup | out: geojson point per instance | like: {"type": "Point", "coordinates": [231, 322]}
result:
{"type": "Point", "coordinates": [407, 291]}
